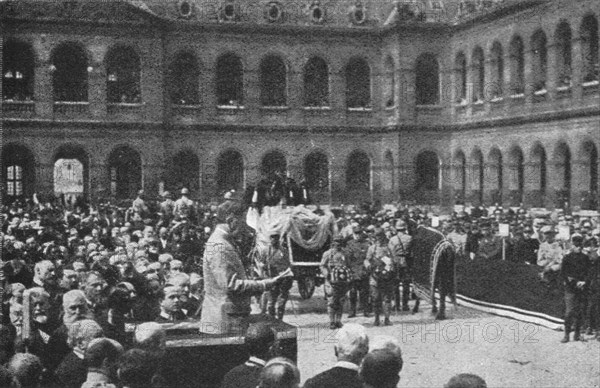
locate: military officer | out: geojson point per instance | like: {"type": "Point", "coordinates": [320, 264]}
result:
{"type": "Point", "coordinates": [184, 207]}
{"type": "Point", "coordinates": [382, 273]}
{"type": "Point", "coordinates": [356, 253]}
{"type": "Point", "coordinates": [277, 261]}
{"type": "Point", "coordinates": [334, 268]}
{"type": "Point", "coordinates": [400, 245]}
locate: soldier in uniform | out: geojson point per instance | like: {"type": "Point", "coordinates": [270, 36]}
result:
{"type": "Point", "coordinates": [381, 267]}
{"type": "Point", "coordinates": [550, 256]}
{"type": "Point", "coordinates": [166, 207]}
{"type": "Point", "coordinates": [139, 205]}
{"type": "Point", "coordinates": [356, 253]}
{"type": "Point", "coordinates": [333, 265]}
{"type": "Point", "coordinates": [184, 207]}
{"type": "Point", "coordinates": [277, 261]}
{"type": "Point", "coordinates": [400, 246]}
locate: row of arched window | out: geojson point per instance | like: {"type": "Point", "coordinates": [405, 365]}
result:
{"type": "Point", "coordinates": [540, 54]}
{"type": "Point", "coordinates": [124, 170]}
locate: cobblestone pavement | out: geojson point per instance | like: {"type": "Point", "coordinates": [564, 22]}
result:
{"type": "Point", "coordinates": [505, 352]}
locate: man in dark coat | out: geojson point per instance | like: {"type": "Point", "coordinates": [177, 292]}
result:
{"type": "Point", "coordinates": [352, 346]}
{"type": "Point", "coordinates": [259, 340]}
{"type": "Point", "coordinates": [575, 272]}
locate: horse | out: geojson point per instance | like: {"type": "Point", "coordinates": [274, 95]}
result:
{"type": "Point", "coordinates": [433, 264]}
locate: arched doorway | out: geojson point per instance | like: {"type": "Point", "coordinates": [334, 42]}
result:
{"type": "Point", "coordinates": [17, 172]}
{"type": "Point", "coordinates": [388, 182]}
{"type": "Point", "coordinates": [516, 179]}
{"type": "Point", "coordinates": [589, 167]}
{"type": "Point", "coordinates": [316, 173]}
{"type": "Point", "coordinates": [230, 171]}
{"type": "Point", "coordinates": [358, 176]}
{"type": "Point", "coordinates": [477, 177]}
{"type": "Point", "coordinates": [494, 176]}
{"type": "Point", "coordinates": [124, 172]}
{"type": "Point", "coordinates": [71, 173]}
{"type": "Point", "coordinates": [459, 177]}
{"type": "Point", "coordinates": [538, 176]}
{"type": "Point", "coordinates": [427, 176]}
{"type": "Point", "coordinates": [184, 169]}
{"type": "Point", "coordinates": [273, 164]}
{"type": "Point", "coordinates": [562, 175]}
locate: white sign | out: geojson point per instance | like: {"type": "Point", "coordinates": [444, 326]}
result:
{"type": "Point", "coordinates": [435, 221]}
{"type": "Point", "coordinates": [564, 232]}
{"type": "Point", "coordinates": [504, 230]}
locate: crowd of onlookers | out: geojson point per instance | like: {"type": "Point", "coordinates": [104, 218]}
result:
{"type": "Point", "coordinates": [75, 274]}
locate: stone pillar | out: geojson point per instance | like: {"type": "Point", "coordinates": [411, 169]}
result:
{"type": "Point", "coordinates": [533, 195]}
{"type": "Point", "coordinates": [337, 182]}
{"type": "Point", "coordinates": [473, 183]}
{"type": "Point", "coordinates": [530, 76]}
{"type": "Point", "coordinates": [445, 190]}
{"type": "Point", "coordinates": [492, 194]}
{"type": "Point", "coordinates": [552, 73]}
{"type": "Point", "coordinates": [577, 65]}
{"type": "Point", "coordinates": [406, 178]}
{"type": "Point", "coordinates": [580, 182]}
{"type": "Point", "coordinates": [99, 180]}
{"type": "Point", "coordinates": [43, 93]}
{"type": "Point", "coordinates": [406, 101]}
{"type": "Point", "coordinates": [44, 177]}
{"type": "Point", "coordinates": [252, 90]}
{"type": "Point", "coordinates": [97, 89]}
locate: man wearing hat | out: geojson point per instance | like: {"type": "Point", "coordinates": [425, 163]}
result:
{"type": "Point", "coordinates": [489, 246]}
{"type": "Point", "coordinates": [184, 207]}
{"type": "Point", "coordinates": [382, 271]}
{"type": "Point", "coordinates": [550, 256]}
{"type": "Point", "coordinates": [575, 276]}
{"type": "Point", "coordinates": [400, 246]}
{"type": "Point", "coordinates": [276, 260]}
{"type": "Point", "coordinates": [139, 205]}
{"type": "Point", "coordinates": [334, 267]}
{"type": "Point", "coordinates": [167, 206]}
{"type": "Point", "coordinates": [525, 248]}
{"type": "Point", "coordinates": [356, 253]}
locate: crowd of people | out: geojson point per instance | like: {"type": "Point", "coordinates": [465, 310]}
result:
{"type": "Point", "coordinates": [75, 274]}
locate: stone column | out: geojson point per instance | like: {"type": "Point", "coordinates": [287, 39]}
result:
{"type": "Point", "coordinates": [406, 101]}
{"type": "Point", "coordinates": [337, 182]}
{"type": "Point", "coordinates": [97, 89]}
{"type": "Point", "coordinates": [580, 182]}
{"type": "Point", "coordinates": [530, 76]}
{"type": "Point", "coordinates": [577, 64]}
{"type": "Point", "coordinates": [492, 194]}
{"type": "Point", "coordinates": [552, 73]}
{"type": "Point", "coordinates": [445, 190]}
{"type": "Point", "coordinates": [43, 93]}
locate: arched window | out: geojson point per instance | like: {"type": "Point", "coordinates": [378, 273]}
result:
{"type": "Point", "coordinates": [388, 181]}
{"type": "Point", "coordinates": [459, 175]}
{"type": "Point", "coordinates": [273, 163]}
{"type": "Point", "coordinates": [316, 171]}
{"type": "Point", "coordinates": [495, 175]}
{"type": "Point", "coordinates": [478, 66]}
{"type": "Point", "coordinates": [562, 171]}
{"type": "Point", "coordinates": [497, 63]}
{"type": "Point", "coordinates": [183, 75]}
{"type": "Point", "coordinates": [589, 44]}
{"type": "Point", "coordinates": [18, 69]}
{"type": "Point", "coordinates": [123, 76]}
{"type": "Point", "coordinates": [185, 170]}
{"type": "Point", "coordinates": [427, 87]}
{"type": "Point", "coordinates": [230, 171]}
{"type": "Point", "coordinates": [539, 60]}
{"type": "Point", "coordinates": [18, 171]}
{"type": "Point", "coordinates": [273, 82]}
{"type": "Point", "coordinates": [230, 81]}
{"type": "Point", "coordinates": [517, 66]}
{"type": "Point", "coordinates": [70, 74]}
{"type": "Point", "coordinates": [460, 74]}
{"type": "Point", "coordinates": [538, 177]}
{"type": "Point", "coordinates": [427, 171]}
{"type": "Point", "coordinates": [589, 156]}
{"type": "Point", "coordinates": [358, 171]}
{"type": "Point", "coordinates": [316, 83]}
{"type": "Point", "coordinates": [389, 83]}
{"type": "Point", "coordinates": [125, 172]}
{"type": "Point", "coordinates": [358, 84]}
{"type": "Point", "coordinates": [517, 174]}
{"type": "Point", "coordinates": [71, 172]}
{"type": "Point", "coordinates": [477, 176]}
{"type": "Point", "coordinates": [563, 54]}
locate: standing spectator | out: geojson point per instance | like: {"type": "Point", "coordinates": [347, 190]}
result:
{"type": "Point", "coordinates": [550, 256]}
{"type": "Point", "coordinates": [334, 268]}
{"type": "Point", "coordinates": [380, 264]}
{"type": "Point", "coordinates": [102, 356]}
{"type": "Point", "coordinates": [352, 346]}
{"type": "Point", "coordinates": [26, 369]}
{"type": "Point", "coordinates": [525, 248]}
{"type": "Point", "coordinates": [400, 248]}
{"type": "Point", "coordinates": [472, 243]}
{"type": "Point", "coordinates": [184, 206]}
{"type": "Point", "coordinates": [575, 275]}
{"type": "Point", "coordinates": [356, 253]}
{"type": "Point", "coordinates": [259, 339]}
{"type": "Point", "coordinates": [277, 261]}
{"type": "Point", "coordinates": [489, 246]}
{"type": "Point", "coordinates": [71, 372]}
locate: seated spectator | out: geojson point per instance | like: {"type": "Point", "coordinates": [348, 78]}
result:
{"type": "Point", "coordinates": [194, 304]}
{"type": "Point", "coordinates": [137, 369]}
{"type": "Point", "coordinates": [7, 343]}
{"type": "Point", "coordinates": [71, 372]}
{"type": "Point", "coordinates": [259, 339]}
{"type": "Point", "coordinates": [26, 369]}
{"type": "Point", "coordinates": [351, 348]}
{"type": "Point", "coordinates": [380, 369]}
{"type": "Point", "coordinates": [102, 356]}
{"type": "Point", "coordinates": [466, 380]}
{"type": "Point", "coordinates": [279, 372]}
{"type": "Point", "coordinates": [170, 305]}
{"type": "Point", "coordinates": [550, 256]}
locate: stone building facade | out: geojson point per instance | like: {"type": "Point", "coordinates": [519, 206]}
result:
{"type": "Point", "coordinates": [441, 102]}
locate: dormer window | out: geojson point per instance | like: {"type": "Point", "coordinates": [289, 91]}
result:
{"type": "Point", "coordinates": [185, 9]}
